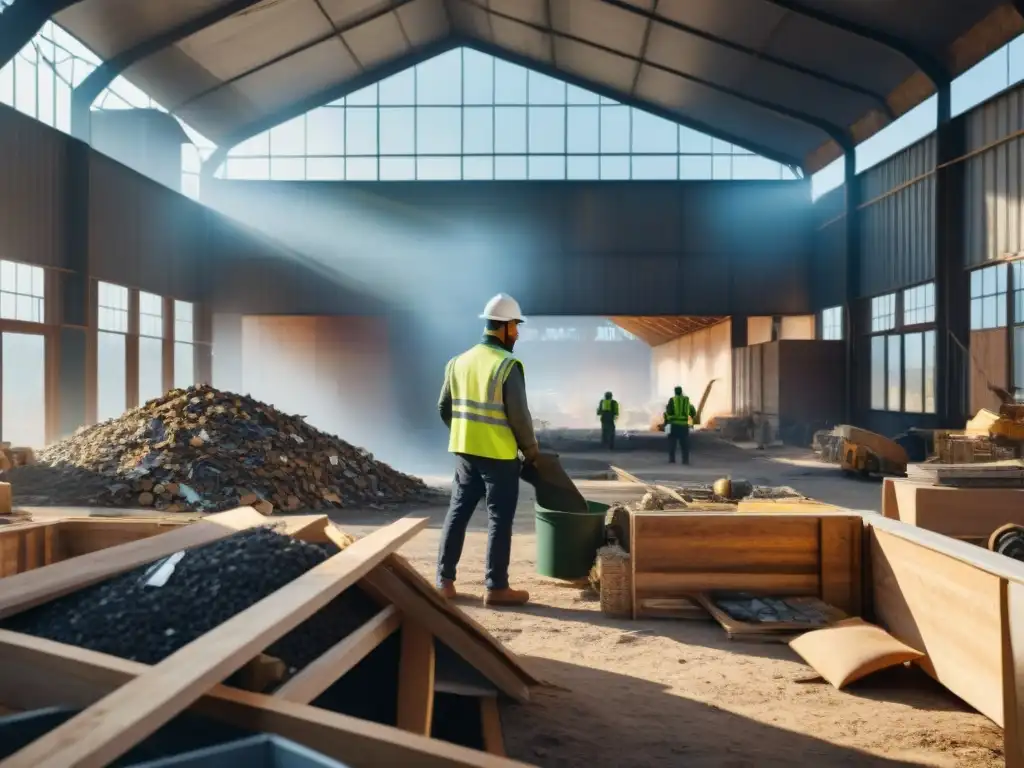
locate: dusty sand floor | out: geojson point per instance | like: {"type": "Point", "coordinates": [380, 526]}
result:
{"type": "Point", "coordinates": [672, 693]}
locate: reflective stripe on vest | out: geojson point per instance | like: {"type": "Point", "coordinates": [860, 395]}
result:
{"type": "Point", "coordinates": [479, 425]}
{"type": "Point", "coordinates": [680, 413]}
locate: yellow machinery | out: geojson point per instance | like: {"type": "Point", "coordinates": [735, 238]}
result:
{"type": "Point", "coordinates": [868, 453]}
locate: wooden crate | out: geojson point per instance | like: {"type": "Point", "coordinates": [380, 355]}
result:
{"type": "Point", "coordinates": [969, 514]}
{"type": "Point", "coordinates": [677, 555]}
{"type": "Point", "coordinates": [125, 701]}
{"type": "Point", "coordinates": [26, 546]}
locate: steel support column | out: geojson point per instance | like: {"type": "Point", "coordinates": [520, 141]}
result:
{"type": "Point", "coordinates": [76, 375]}
{"type": "Point", "coordinates": [952, 319]}
{"type": "Point", "coordinates": [852, 309]}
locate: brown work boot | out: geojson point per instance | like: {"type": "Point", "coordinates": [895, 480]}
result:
{"type": "Point", "coordinates": [507, 596]}
{"type": "Point", "coordinates": [447, 589]}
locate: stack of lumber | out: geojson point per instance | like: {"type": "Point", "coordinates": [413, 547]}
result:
{"type": "Point", "coordinates": [997, 474]}
{"type": "Point", "coordinates": [201, 449]}
{"type": "Point", "coordinates": [237, 591]}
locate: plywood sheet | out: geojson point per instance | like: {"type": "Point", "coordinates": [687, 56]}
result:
{"type": "Point", "coordinates": [946, 608]}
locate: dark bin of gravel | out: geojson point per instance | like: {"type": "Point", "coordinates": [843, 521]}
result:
{"type": "Point", "coordinates": [129, 617]}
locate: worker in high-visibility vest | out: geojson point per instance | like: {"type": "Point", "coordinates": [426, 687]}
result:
{"type": "Point", "coordinates": [680, 415]}
{"type": "Point", "coordinates": [483, 403]}
{"type": "Point", "coordinates": [608, 412]}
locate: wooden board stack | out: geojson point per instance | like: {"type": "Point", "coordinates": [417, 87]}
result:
{"type": "Point", "coordinates": [123, 702]}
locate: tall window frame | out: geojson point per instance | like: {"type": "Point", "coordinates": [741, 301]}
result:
{"type": "Point", "coordinates": [902, 350]}
{"type": "Point", "coordinates": [466, 115]}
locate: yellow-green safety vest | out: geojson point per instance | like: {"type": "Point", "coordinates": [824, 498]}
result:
{"type": "Point", "coordinates": [610, 405]}
{"type": "Point", "coordinates": [680, 412]}
{"type": "Point", "coordinates": [479, 425]}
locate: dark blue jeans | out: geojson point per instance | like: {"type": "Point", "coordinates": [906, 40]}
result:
{"type": "Point", "coordinates": [679, 433]}
{"type": "Point", "coordinates": [478, 478]}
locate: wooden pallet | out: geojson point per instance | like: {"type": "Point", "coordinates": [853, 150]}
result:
{"type": "Point", "coordinates": [124, 702]}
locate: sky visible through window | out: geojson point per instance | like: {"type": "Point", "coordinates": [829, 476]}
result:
{"type": "Point", "coordinates": [467, 115]}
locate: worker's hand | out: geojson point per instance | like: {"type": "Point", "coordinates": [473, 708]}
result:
{"type": "Point", "coordinates": [530, 454]}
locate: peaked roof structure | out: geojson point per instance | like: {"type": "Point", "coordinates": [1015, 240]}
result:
{"type": "Point", "coordinates": [793, 80]}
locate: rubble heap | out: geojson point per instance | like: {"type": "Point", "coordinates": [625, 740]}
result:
{"type": "Point", "coordinates": [204, 450]}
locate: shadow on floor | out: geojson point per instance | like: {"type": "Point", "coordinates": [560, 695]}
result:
{"type": "Point", "coordinates": [634, 722]}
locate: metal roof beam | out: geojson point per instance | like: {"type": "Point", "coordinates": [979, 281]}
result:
{"type": "Point", "coordinates": [339, 91]}
{"type": "Point", "coordinates": [835, 132]}
{"type": "Point", "coordinates": [935, 69]}
{"type": "Point", "coordinates": [83, 96]}
{"type": "Point", "coordinates": [22, 20]}
{"type": "Point", "coordinates": [653, 17]}
{"type": "Point", "coordinates": [337, 32]}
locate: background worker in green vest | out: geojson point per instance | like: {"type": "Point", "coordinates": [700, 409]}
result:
{"type": "Point", "coordinates": [483, 403]}
{"type": "Point", "coordinates": [608, 412]}
{"type": "Point", "coordinates": [679, 416]}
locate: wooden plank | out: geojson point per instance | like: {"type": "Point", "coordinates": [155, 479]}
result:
{"type": "Point", "coordinates": [402, 585]}
{"type": "Point", "coordinates": [416, 680]}
{"type": "Point", "coordinates": [634, 555]}
{"type": "Point", "coordinates": [27, 590]}
{"type": "Point", "coordinates": [890, 504]}
{"type": "Point", "coordinates": [681, 584]}
{"type": "Point", "coordinates": [1013, 672]}
{"type": "Point", "coordinates": [840, 556]}
{"type": "Point", "coordinates": [37, 673]}
{"type": "Point", "coordinates": [776, 530]}
{"type": "Point", "coordinates": [115, 724]}
{"type": "Point", "coordinates": [490, 717]}
{"type": "Point", "coordinates": [740, 552]}
{"type": "Point", "coordinates": [945, 608]}
{"type": "Point", "coordinates": [87, 535]}
{"type": "Point", "coordinates": [483, 658]}
{"type": "Point", "coordinates": [322, 673]}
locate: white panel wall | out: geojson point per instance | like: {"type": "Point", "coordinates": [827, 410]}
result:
{"type": "Point", "coordinates": [691, 361]}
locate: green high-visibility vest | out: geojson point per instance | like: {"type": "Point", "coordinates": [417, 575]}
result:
{"type": "Point", "coordinates": [479, 426]}
{"type": "Point", "coordinates": [610, 405]}
{"type": "Point", "coordinates": [679, 413]}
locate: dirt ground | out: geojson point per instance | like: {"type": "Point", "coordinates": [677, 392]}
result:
{"type": "Point", "coordinates": [663, 693]}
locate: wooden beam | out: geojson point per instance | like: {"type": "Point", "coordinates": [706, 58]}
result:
{"type": "Point", "coordinates": [1012, 599]}
{"type": "Point", "coordinates": [490, 718]}
{"type": "Point", "coordinates": [416, 680]}
{"type": "Point", "coordinates": [322, 673]}
{"type": "Point", "coordinates": [37, 673]}
{"type": "Point", "coordinates": [415, 608]}
{"type": "Point", "coordinates": [108, 729]}
{"type": "Point", "coordinates": [27, 590]}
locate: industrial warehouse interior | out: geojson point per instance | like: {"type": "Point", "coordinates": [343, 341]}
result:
{"type": "Point", "coordinates": [715, 308]}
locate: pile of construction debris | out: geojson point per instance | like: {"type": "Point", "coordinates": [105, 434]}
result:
{"type": "Point", "coordinates": [204, 450]}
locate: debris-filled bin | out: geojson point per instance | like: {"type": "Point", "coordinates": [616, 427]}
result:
{"type": "Point", "coordinates": [567, 542]}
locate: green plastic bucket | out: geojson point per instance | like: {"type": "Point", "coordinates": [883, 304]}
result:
{"type": "Point", "coordinates": [567, 542]}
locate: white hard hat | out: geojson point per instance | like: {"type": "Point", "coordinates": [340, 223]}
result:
{"type": "Point", "coordinates": [503, 308]}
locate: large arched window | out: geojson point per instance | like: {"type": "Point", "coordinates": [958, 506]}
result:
{"type": "Point", "coordinates": [467, 115]}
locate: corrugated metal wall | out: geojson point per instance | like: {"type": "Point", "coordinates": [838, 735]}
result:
{"type": "Point", "coordinates": [828, 259]}
{"type": "Point", "coordinates": [31, 190]}
{"type": "Point", "coordinates": [564, 248]}
{"type": "Point", "coordinates": [898, 228]}
{"type": "Point", "coordinates": [143, 234]}
{"type": "Point", "coordinates": [994, 180]}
